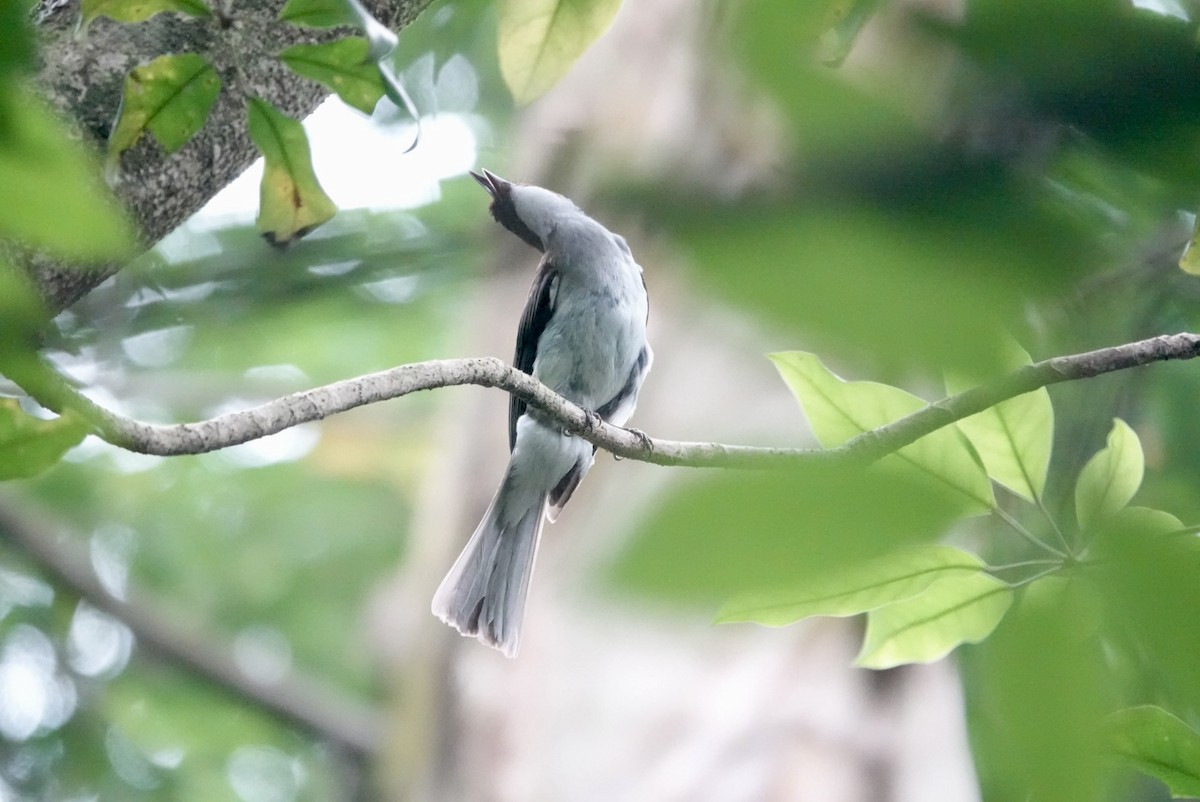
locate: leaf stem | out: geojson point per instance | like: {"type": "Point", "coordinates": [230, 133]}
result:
{"type": "Point", "coordinates": [1058, 532]}
{"type": "Point", "coordinates": [1025, 533]}
{"type": "Point", "coordinates": [1024, 564]}
{"type": "Point", "coordinates": [1031, 579]}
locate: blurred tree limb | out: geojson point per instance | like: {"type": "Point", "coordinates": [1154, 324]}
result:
{"type": "Point", "coordinates": [300, 700]}
{"type": "Point", "coordinates": [320, 402]}
{"type": "Point", "coordinates": [82, 78]}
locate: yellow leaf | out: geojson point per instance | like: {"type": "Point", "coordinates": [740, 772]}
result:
{"type": "Point", "coordinates": [291, 200]}
{"type": "Point", "coordinates": [540, 40]}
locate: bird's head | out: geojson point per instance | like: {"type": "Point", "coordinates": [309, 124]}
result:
{"type": "Point", "coordinates": [529, 212]}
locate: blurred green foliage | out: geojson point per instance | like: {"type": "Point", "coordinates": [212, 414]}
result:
{"type": "Point", "coordinates": [1159, 744]}
{"type": "Point", "coordinates": [731, 532]}
{"type": "Point", "coordinates": [285, 541]}
{"type": "Point", "coordinates": [1020, 168]}
{"type": "Point", "coordinates": [1035, 693]}
{"type": "Point", "coordinates": [63, 206]}
{"type": "Point", "coordinates": [919, 240]}
{"type": "Point", "coordinates": [29, 445]}
{"type": "Point", "coordinates": [275, 547]}
{"type": "Point", "coordinates": [55, 201]}
{"type": "Point", "coordinates": [1037, 198]}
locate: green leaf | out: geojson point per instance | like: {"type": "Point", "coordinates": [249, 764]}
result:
{"type": "Point", "coordinates": [63, 206]}
{"type": "Point", "coordinates": [857, 589]}
{"type": "Point", "coordinates": [18, 49]}
{"type": "Point", "coordinates": [1159, 744]}
{"type": "Point", "coordinates": [541, 39]}
{"type": "Point", "coordinates": [328, 13]}
{"type": "Point", "coordinates": [170, 97]}
{"type": "Point", "coordinates": [29, 445]}
{"type": "Point", "coordinates": [1014, 437]}
{"type": "Point", "coordinates": [1189, 262]}
{"type": "Point", "coordinates": [140, 10]}
{"type": "Point", "coordinates": [316, 13]}
{"type": "Point", "coordinates": [1145, 521]}
{"type": "Point", "coordinates": [958, 608]}
{"type": "Point", "coordinates": [1146, 569]}
{"type": "Point", "coordinates": [344, 66]}
{"type": "Point", "coordinates": [838, 410]}
{"type": "Point", "coordinates": [382, 44]}
{"type": "Point", "coordinates": [1035, 691]}
{"type": "Point", "coordinates": [731, 532]}
{"type": "Point", "coordinates": [23, 316]}
{"type": "Point", "coordinates": [1110, 478]}
{"type": "Point", "coordinates": [291, 201]}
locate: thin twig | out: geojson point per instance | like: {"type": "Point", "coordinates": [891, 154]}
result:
{"type": "Point", "coordinates": [321, 402]}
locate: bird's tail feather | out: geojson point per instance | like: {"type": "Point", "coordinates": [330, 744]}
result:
{"type": "Point", "coordinates": [483, 595]}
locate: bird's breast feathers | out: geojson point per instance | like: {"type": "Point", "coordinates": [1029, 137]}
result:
{"type": "Point", "coordinates": [590, 343]}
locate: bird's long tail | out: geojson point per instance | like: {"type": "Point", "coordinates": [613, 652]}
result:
{"type": "Point", "coordinates": [483, 595]}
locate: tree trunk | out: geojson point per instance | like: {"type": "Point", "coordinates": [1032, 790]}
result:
{"type": "Point", "coordinates": [83, 76]}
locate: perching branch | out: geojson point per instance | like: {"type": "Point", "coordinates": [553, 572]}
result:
{"type": "Point", "coordinates": [302, 701]}
{"type": "Point", "coordinates": [321, 402]}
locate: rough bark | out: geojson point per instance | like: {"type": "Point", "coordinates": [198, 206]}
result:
{"type": "Point", "coordinates": [83, 76]}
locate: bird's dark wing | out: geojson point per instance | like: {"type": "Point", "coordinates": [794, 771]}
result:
{"type": "Point", "coordinates": [538, 310]}
{"type": "Point", "coordinates": [620, 404]}
{"type": "Point", "coordinates": [627, 395]}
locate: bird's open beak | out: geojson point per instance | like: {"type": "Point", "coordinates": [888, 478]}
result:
{"type": "Point", "coordinates": [489, 181]}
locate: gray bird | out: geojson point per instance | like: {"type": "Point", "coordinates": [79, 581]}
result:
{"type": "Point", "coordinates": [583, 335]}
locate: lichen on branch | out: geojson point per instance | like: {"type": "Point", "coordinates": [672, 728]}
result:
{"type": "Point", "coordinates": [320, 402]}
